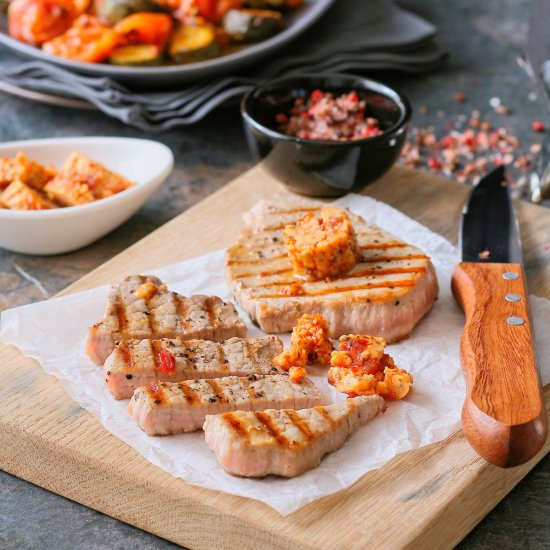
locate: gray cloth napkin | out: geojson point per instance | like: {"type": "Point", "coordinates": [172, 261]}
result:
{"type": "Point", "coordinates": [353, 36]}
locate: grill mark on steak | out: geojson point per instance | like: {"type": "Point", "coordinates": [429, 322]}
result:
{"type": "Point", "coordinates": [273, 429]}
{"type": "Point", "coordinates": [381, 246]}
{"type": "Point", "coordinates": [181, 311]}
{"type": "Point", "coordinates": [218, 392]}
{"type": "Point", "coordinates": [325, 414]}
{"type": "Point", "coordinates": [156, 348]}
{"type": "Point", "coordinates": [149, 314]}
{"type": "Point", "coordinates": [340, 289]}
{"type": "Point", "coordinates": [191, 396]}
{"type": "Point", "coordinates": [236, 424]}
{"type": "Point", "coordinates": [358, 274]}
{"type": "Point", "coordinates": [210, 313]}
{"type": "Point", "coordinates": [300, 424]}
{"type": "Point", "coordinates": [251, 392]}
{"type": "Point", "coordinates": [126, 351]}
{"type": "Point", "coordinates": [256, 261]}
{"type": "Point", "coordinates": [364, 260]}
{"type": "Point", "coordinates": [224, 363]}
{"type": "Point", "coordinates": [120, 312]}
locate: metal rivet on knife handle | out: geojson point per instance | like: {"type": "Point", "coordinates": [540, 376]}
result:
{"type": "Point", "coordinates": [515, 321]}
{"type": "Point", "coordinates": [510, 276]}
{"type": "Point", "coordinates": [512, 297]}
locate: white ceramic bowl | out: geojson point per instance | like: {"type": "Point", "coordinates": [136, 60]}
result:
{"type": "Point", "coordinates": [146, 163]}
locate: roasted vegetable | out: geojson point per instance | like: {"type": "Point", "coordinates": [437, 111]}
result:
{"type": "Point", "coordinates": [36, 21]}
{"type": "Point", "coordinates": [87, 40]}
{"type": "Point", "coordinates": [145, 28]}
{"type": "Point", "coordinates": [113, 11]}
{"type": "Point", "coordinates": [136, 54]}
{"type": "Point", "coordinates": [214, 10]}
{"type": "Point", "coordinates": [191, 43]}
{"type": "Point", "coordinates": [252, 25]}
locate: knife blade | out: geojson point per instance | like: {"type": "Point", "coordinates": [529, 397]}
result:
{"type": "Point", "coordinates": [504, 415]}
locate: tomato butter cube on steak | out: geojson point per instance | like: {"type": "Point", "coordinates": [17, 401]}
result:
{"type": "Point", "coordinates": [142, 307]}
{"type": "Point", "coordinates": [285, 442]}
{"type": "Point", "coordinates": [81, 180]}
{"type": "Point", "coordinates": [386, 293]}
{"type": "Point", "coordinates": [322, 244]}
{"type": "Point", "coordinates": [163, 408]}
{"type": "Point", "coordinates": [135, 363]}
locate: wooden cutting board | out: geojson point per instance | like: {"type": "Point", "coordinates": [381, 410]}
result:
{"type": "Point", "coordinates": [431, 497]}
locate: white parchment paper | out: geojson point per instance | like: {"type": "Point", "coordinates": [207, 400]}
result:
{"type": "Point", "coordinates": [53, 332]}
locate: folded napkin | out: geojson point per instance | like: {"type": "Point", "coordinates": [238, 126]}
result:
{"type": "Point", "coordinates": [353, 36]}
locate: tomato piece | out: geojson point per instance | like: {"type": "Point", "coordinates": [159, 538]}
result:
{"type": "Point", "coordinates": [36, 21]}
{"type": "Point", "coordinates": [167, 362]}
{"type": "Point", "coordinates": [87, 40]}
{"type": "Point", "coordinates": [145, 28]}
{"type": "Point", "coordinates": [214, 10]}
{"type": "Point", "coordinates": [206, 8]}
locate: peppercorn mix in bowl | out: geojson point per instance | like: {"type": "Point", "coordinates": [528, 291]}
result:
{"type": "Point", "coordinates": [326, 135]}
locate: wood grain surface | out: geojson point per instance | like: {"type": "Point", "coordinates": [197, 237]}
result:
{"type": "Point", "coordinates": [437, 493]}
{"type": "Point", "coordinates": [504, 417]}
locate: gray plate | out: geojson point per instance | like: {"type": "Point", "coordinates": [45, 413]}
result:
{"type": "Point", "coordinates": [156, 77]}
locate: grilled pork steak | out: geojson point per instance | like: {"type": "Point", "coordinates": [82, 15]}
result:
{"type": "Point", "coordinates": [285, 442]}
{"type": "Point", "coordinates": [164, 408]}
{"type": "Point", "coordinates": [141, 307]}
{"type": "Point", "coordinates": [135, 363]}
{"type": "Point", "coordinates": [389, 290]}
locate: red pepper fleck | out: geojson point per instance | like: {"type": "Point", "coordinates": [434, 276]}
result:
{"type": "Point", "coordinates": [316, 96]}
{"type": "Point", "coordinates": [434, 164]}
{"type": "Point", "coordinates": [460, 97]}
{"type": "Point", "coordinates": [167, 362]}
{"type": "Point", "coordinates": [538, 126]}
{"type": "Point", "coordinates": [281, 118]}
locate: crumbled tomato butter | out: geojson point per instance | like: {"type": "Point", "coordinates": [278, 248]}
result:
{"type": "Point", "coordinates": [146, 290]}
{"type": "Point", "coordinates": [361, 367]}
{"type": "Point", "coordinates": [309, 343]}
{"type": "Point", "coordinates": [322, 244]}
{"type": "Point", "coordinates": [297, 374]}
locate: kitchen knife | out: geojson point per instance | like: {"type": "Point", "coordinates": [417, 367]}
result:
{"type": "Point", "coordinates": [504, 416]}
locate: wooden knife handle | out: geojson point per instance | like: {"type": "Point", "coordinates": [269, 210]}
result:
{"type": "Point", "coordinates": [504, 416]}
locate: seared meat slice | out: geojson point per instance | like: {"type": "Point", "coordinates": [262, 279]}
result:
{"type": "Point", "coordinates": [163, 408]}
{"type": "Point", "coordinates": [392, 286]}
{"type": "Point", "coordinates": [285, 442]}
{"type": "Point", "coordinates": [141, 307]}
{"type": "Point", "coordinates": [135, 363]}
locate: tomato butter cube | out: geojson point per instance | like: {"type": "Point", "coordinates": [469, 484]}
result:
{"type": "Point", "coordinates": [81, 180]}
{"type": "Point", "coordinates": [19, 196]}
{"type": "Point", "coordinates": [322, 245]}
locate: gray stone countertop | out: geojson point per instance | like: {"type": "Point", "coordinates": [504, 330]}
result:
{"type": "Point", "coordinates": [484, 39]}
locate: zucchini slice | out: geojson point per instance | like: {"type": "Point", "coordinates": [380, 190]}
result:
{"type": "Point", "coordinates": [192, 43]}
{"type": "Point", "coordinates": [252, 25]}
{"type": "Point", "coordinates": [136, 54]}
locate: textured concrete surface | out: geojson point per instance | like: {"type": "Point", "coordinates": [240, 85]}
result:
{"type": "Point", "coordinates": [484, 39]}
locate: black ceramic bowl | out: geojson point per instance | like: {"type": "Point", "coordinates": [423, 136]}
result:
{"type": "Point", "coordinates": [325, 168]}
